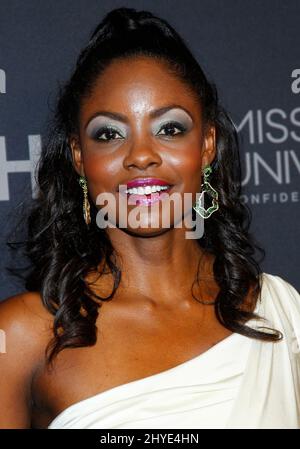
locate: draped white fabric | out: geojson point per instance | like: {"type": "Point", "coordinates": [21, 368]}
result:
{"type": "Point", "coordinates": [238, 383]}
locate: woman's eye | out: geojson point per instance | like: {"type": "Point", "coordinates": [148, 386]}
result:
{"type": "Point", "coordinates": [109, 134]}
{"type": "Point", "coordinates": [170, 129]}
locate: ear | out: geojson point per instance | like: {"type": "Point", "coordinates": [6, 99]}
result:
{"type": "Point", "coordinates": [209, 146]}
{"type": "Point", "coordinates": [76, 154]}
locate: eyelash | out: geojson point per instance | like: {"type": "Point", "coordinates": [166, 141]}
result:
{"type": "Point", "coordinates": [175, 125]}
{"type": "Point", "coordinates": [166, 125]}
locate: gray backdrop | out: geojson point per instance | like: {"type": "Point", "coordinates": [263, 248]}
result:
{"type": "Point", "coordinates": [250, 48]}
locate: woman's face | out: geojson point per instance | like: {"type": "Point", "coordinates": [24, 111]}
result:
{"type": "Point", "coordinates": [140, 121]}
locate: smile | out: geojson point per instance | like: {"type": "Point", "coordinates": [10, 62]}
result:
{"type": "Point", "coordinates": [146, 190]}
{"type": "Point", "coordinates": [146, 195]}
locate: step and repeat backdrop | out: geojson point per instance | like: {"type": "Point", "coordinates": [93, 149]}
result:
{"type": "Point", "coordinates": [249, 48]}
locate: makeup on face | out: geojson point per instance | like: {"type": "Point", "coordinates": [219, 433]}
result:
{"type": "Point", "coordinates": [167, 122]}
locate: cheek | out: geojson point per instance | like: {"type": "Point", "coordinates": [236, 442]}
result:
{"type": "Point", "coordinates": [101, 171]}
{"type": "Point", "coordinates": [188, 163]}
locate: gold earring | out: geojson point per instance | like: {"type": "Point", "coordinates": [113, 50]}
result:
{"type": "Point", "coordinates": [86, 204]}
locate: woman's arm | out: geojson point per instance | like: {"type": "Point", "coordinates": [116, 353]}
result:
{"type": "Point", "coordinates": [23, 324]}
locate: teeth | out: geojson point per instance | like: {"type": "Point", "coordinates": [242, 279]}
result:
{"type": "Point", "coordinates": [146, 190]}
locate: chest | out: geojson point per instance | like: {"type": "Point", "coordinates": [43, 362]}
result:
{"type": "Point", "coordinates": [129, 346]}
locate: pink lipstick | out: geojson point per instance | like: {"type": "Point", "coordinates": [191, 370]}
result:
{"type": "Point", "coordinates": [145, 191]}
{"type": "Point", "coordinates": [143, 182]}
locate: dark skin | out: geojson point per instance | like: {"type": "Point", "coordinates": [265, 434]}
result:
{"type": "Point", "coordinates": [135, 92]}
{"type": "Point", "coordinates": [153, 323]}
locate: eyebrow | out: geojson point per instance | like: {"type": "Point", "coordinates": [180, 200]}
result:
{"type": "Point", "coordinates": [121, 117]}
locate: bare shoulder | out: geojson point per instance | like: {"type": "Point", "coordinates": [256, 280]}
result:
{"type": "Point", "coordinates": [25, 326]}
{"type": "Point", "coordinates": [24, 316]}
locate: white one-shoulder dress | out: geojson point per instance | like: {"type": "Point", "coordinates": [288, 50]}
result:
{"type": "Point", "coordinates": [238, 383]}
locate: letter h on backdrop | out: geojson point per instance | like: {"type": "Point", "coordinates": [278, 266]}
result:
{"type": "Point", "coordinates": [23, 166]}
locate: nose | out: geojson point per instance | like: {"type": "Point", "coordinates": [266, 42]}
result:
{"type": "Point", "coordinates": [142, 154]}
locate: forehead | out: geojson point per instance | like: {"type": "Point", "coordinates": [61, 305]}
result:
{"type": "Point", "coordinates": [136, 85]}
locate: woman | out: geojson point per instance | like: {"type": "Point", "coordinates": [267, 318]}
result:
{"type": "Point", "coordinates": [141, 326]}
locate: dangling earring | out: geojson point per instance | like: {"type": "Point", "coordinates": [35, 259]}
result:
{"type": "Point", "coordinates": [206, 187]}
{"type": "Point", "coordinates": [86, 204]}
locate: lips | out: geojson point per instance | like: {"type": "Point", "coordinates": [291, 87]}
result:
{"type": "Point", "coordinates": [143, 182]}
{"type": "Point", "coordinates": [145, 198]}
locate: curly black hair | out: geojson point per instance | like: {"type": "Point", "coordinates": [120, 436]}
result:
{"type": "Point", "coordinates": [62, 250]}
